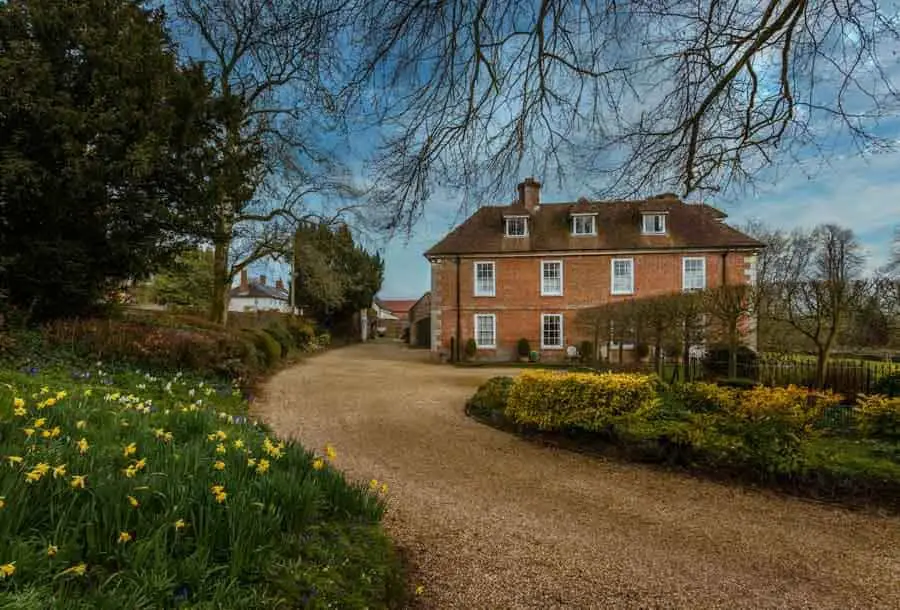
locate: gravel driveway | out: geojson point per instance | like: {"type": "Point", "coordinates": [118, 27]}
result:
{"type": "Point", "coordinates": [491, 521]}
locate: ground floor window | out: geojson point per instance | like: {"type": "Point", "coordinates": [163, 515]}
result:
{"type": "Point", "coordinates": [485, 330]}
{"type": "Point", "coordinates": [551, 330]}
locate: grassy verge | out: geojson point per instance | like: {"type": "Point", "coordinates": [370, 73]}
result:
{"type": "Point", "coordinates": [126, 489]}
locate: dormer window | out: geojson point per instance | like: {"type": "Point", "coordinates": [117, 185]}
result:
{"type": "Point", "coordinates": [584, 224]}
{"type": "Point", "coordinates": [516, 226]}
{"type": "Point", "coordinates": [654, 223]}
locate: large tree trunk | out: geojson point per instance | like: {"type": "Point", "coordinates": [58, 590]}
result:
{"type": "Point", "coordinates": [221, 279]}
{"type": "Point", "coordinates": [732, 352]}
{"type": "Point", "coordinates": [824, 353]}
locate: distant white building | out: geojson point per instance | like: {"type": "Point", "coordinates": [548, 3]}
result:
{"type": "Point", "coordinates": [259, 296]}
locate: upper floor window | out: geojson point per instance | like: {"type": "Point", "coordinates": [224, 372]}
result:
{"type": "Point", "coordinates": [516, 226]}
{"type": "Point", "coordinates": [622, 276]}
{"type": "Point", "coordinates": [485, 280]}
{"type": "Point", "coordinates": [654, 224]}
{"type": "Point", "coordinates": [584, 224]}
{"type": "Point", "coordinates": [693, 273]}
{"type": "Point", "coordinates": [551, 278]}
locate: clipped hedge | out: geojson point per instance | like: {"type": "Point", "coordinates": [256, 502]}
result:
{"type": "Point", "coordinates": [491, 397]}
{"type": "Point", "coordinates": [267, 345]}
{"type": "Point", "coordinates": [551, 401]}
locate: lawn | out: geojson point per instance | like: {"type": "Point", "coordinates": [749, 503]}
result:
{"type": "Point", "coordinates": [125, 489]}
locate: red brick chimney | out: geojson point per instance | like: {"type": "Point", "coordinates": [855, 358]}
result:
{"type": "Point", "coordinates": [262, 280]}
{"type": "Point", "coordinates": [279, 284]}
{"type": "Point", "coordinates": [530, 194]}
{"type": "Point", "coordinates": [245, 280]}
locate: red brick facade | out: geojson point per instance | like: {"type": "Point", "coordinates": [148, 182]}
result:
{"type": "Point", "coordinates": [517, 304]}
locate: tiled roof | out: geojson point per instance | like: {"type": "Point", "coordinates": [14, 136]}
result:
{"type": "Point", "coordinates": [689, 226]}
{"type": "Point", "coordinates": [255, 290]}
{"type": "Point", "coordinates": [397, 305]}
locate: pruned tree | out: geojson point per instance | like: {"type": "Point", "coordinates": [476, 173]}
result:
{"type": "Point", "coordinates": [729, 308]}
{"type": "Point", "coordinates": [817, 285]}
{"type": "Point", "coordinates": [651, 95]}
{"type": "Point", "coordinates": [271, 63]}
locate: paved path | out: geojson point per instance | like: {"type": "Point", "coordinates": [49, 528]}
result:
{"type": "Point", "coordinates": [491, 521]}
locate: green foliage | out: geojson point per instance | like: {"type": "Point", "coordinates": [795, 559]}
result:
{"type": "Point", "coordinates": [287, 533]}
{"type": "Point", "coordinates": [267, 345]}
{"type": "Point", "coordinates": [471, 349]}
{"type": "Point", "coordinates": [879, 417]}
{"type": "Point", "coordinates": [97, 176]}
{"type": "Point", "coordinates": [555, 401]}
{"type": "Point", "coordinates": [888, 385]}
{"type": "Point", "coordinates": [523, 348]}
{"type": "Point", "coordinates": [716, 359]}
{"type": "Point", "coordinates": [586, 350]}
{"type": "Point", "coordinates": [281, 334]}
{"type": "Point", "coordinates": [185, 284]}
{"type": "Point", "coordinates": [642, 350]}
{"type": "Point", "coordinates": [302, 332]}
{"type": "Point", "coordinates": [491, 397]}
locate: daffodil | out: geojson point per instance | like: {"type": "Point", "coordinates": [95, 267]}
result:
{"type": "Point", "coordinates": [51, 550]}
{"type": "Point", "coordinates": [29, 432]}
{"type": "Point", "coordinates": [221, 436]}
{"type": "Point", "coordinates": [19, 403]}
{"type": "Point", "coordinates": [180, 524]}
{"type": "Point", "coordinates": [78, 481]}
{"type": "Point", "coordinates": [39, 422]}
{"type": "Point", "coordinates": [133, 501]}
{"type": "Point", "coordinates": [140, 464]}
{"type": "Point", "coordinates": [50, 402]}
{"type": "Point", "coordinates": [33, 476]}
{"type": "Point", "coordinates": [263, 466]}
{"type": "Point", "coordinates": [45, 390]}
{"type": "Point", "coordinates": [220, 449]}
{"type": "Point", "coordinates": [61, 394]}
{"type": "Point", "coordinates": [420, 589]}
{"type": "Point", "coordinates": [20, 411]}
{"type": "Point", "coordinates": [78, 569]}
{"type": "Point", "coordinates": [124, 537]}
{"type": "Point", "coordinates": [384, 488]}
{"type": "Point", "coordinates": [219, 465]}
{"type": "Point", "coordinates": [42, 468]}
{"type": "Point", "coordinates": [251, 462]}
{"type": "Point", "coordinates": [14, 459]}
{"type": "Point", "coordinates": [220, 498]}
{"type": "Point", "coordinates": [2, 502]}
{"type": "Point", "coordinates": [7, 569]}
{"type": "Point", "coordinates": [59, 471]}
{"type": "Point", "coordinates": [130, 472]}
{"type": "Point", "coordinates": [167, 437]}
{"type": "Point", "coordinates": [130, 449]}
{"type": "Point", "coordinates": [217, 489]}
{"type": "Point", "coordinates": [330, 453]}
{"type": "Point", "coordinates": [272, 449]}
{"type": "Point", "coordinates": [238, 444]}
{"type": "Point", "coordinates": [83, 446]}
{"type": "Point", "coordinates": [81, 424]}
{"type": "Point", "coordinates": [318, 464]}
{"type": "Point", "coordinates": [88, 393]}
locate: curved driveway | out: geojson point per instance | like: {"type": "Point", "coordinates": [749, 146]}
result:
{"type": "Point", "coordinates": [491, 521]}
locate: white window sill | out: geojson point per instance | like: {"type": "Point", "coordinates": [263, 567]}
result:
{"type": "Point", "coordinates": [584, 235]}
{"type": "Point", "coordinates": [622, 294]}
{"type": "Point", "coordinates": [486, 347]}
{"type": "Point", "coordinates": [553, 347]}
{"type": "Point", "coordinates": [551, 294]}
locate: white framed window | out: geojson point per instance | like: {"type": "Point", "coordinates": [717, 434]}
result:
{"type": "Point", "coordinates": [584, 224]}
{"type": "Point", "coordinates": [516, 226]}
{"type": "Point", "coordinates": [693, 273]}
{"type": "Point", "coordinates": [551, 278]}
{"type": "Point", "coordinates": [485, 330]}
{"type": "Point", "coordinates": [654, 224]}
{"type": "Point", "coordinates": [551, 331]}
{"type": "Point", "coordinates": [622, 272]}
{"type": "Point", "coordinates": [485, 279]}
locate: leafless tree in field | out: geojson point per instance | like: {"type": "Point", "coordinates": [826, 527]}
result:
{"type": "Point", "coordinates": [696, 96]}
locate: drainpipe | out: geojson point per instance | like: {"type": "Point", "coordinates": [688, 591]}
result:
{"type": "Point", "coordinates": [458, 312]}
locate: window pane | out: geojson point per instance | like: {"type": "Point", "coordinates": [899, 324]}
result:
{"type": "Point", "coordinates": [551, 332]}
{"type": "Point", "coordinates": [584, 225]}
{"type": "Point", "coordinates": [484, 279]}
{"type": "Point", "coordinates": [552, 278]}
{"type": "Point", "coordinates": [622, 276]}
{"type": "Point", "coordinates": [694, 274]}
{"type": "Point", "coordinates": [484, 331]}
{"type": "Point", "coordinates": [515, 227]}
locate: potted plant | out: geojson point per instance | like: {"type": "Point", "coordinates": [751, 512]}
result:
{"type": "Point", "coordinates": [471, 349]}
{"type": "Point", "coordinates": [524, 349]}
{"type": "Point", "coordinates": [534, 356]}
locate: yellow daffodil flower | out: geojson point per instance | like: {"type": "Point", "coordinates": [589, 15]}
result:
{"type": "Point", "coordinates": [251, 462]}
{"type": "Point", "coordinates": [220, 449]}
{"type": "Point", "coordinates": [14, 459]}
{"type": "Point", "coordinates": [50, 402]}
{"type": "Point", "coordinates": [180, 524]}
{"type": "Point", "coordinates": [130, 472]}
{"type": "Point", "coordinates": [88, 392]}
{"type": "Point", "coordinates": [78, 481]}
{"type": "Point", "coordinates": [373, 484]}
{"type": "Point", "coordinates": [221, 436]}
{"type": "Point", "coordinates": [29, 432]}
{"type": "Point", "coordinates": [219, 465]}
{"type": "Point", "coordinates": [167, 437]}
{"type": "Point", "coordinates": [83, 446]}
{"type": "Point", "coordinates": [19, 403]}
{"type": "Point", "coordinates": [51, 550]}
{"type": "Point", "coordinates": [45, 390]}
{"type": "Point", "coordinates": [7, 570]}
{"type": "Point", "coordinates": [2, 502]}
{"type": "Point", "coordinates": [33, 476]}
{"type": "Point", "coordinates": [20, 411]}
{"type": "Point", "coordinates": [318, 464]}
{"type": "Point", "coordinates": [124, 537]}
{"type": "Point", "coordinates": [39, 422]}
{"type": "Point", "coordinates": [55, 432]}
{"type": "Point", "coordinates": [78, 569]}
{"type": "Point", "coordinates": [420, 589]}
{"type": "Point", "coordinates": [42, 468]}
{"type": "Point", "coordinates": [140, 464]}
{"type": "Point", "coordinates": [384, 488]}
{"type": "Point", "coordinates": [45, 434]}
{"type": "Point", "coordinates": [220, 498]}
{"type": "Point", "coordinates": [330, 452]}
{"type": "Point", "coordinates": [130, 449]}
{"type": "Point", "coordinates": [263, 466]}
{"type": "Point", "coordinates": [61, 394]}
{"type": "Point", "coordinates": [133, 501]}
{"type": "Point", "coordinates": [59, 471]}
{"type": "Point", "coordinates": [217, 489]}
{"type": "Point", "coordinates": [238, 444]}
{"type": "Point", "coordinates": [81, 424]}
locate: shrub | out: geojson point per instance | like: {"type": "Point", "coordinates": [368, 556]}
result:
{"type": "Point", "coordinates": [641, 351]}
{"type": "Point", "coordinates": [471, 349]}
{"type": "Point", "coordinates": [552, 401]}
{"type": "Point", "coordinates": [523, 348]}
{"type": "Point", "coordinates": [702, 397]}
{"type": "Point", "coordinates": [586, 351]}
{"type": "Point", "coordinates": [491, 397]}
{"type": "Point", "coordinates": [739, 382]}
{"type": "Point", "coordinates": [889, 385]}
{"type": "Point", "coordinates": [879, 417]}
{"type": "Point", "coordinates": [283, 336]}
{"type": "Point", "coordinates": [324, 339]}
{"type": "Point", "coordinates": [267, 346]}
{"type": "Point", "coordinates": [302, 332]}
{"type": "Point", "coordinates": [716, 359]}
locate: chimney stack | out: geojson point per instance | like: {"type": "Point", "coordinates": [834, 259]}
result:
{"type": "Point", "coordinates": [530, 194]}
{"type": "Point", "coordinates": [262, 280]}
{"type": "Point", "coordinates": [279, 284]}
{"type": "Point", "coordinates": [245, 280]}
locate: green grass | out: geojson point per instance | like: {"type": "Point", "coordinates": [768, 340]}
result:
{"type": "Point", "coordinates": [150, 527]}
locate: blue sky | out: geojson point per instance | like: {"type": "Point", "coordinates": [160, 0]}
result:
{"type": "Point", "coordinates": [850, 190]}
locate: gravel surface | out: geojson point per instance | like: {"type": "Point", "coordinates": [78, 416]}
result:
{"type": "Point", "coordinates": [491, 521]}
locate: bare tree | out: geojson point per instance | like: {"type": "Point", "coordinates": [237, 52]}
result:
{"type": "Point", "coordinates": [816, 286]}
{"type": "Point", "coordinates": [650, 94]}
{"type": "Point", "coordinates": [271, 63]}
{"type": "Point", "coordinates": [729, 307]}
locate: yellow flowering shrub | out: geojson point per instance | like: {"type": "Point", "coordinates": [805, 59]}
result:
{"type": "Point", "coordinates": [879, 416]}
{"type": "Point", "coordinates": [553, 400]}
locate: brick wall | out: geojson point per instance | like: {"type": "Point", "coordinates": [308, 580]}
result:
{"type": "Point", "coordinates": [419, 311]}
{"type": "Point", "coordinates": [518, 303]}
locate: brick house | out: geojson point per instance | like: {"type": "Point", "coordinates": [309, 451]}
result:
{"type": "Point", "coordinates": [525, 269]}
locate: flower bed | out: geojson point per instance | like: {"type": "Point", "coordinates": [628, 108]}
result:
{"type": "Point", "coordinates": [780, 436]}
{"type": "Point", "coordinates": [130, 490]}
